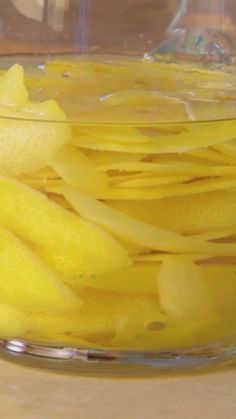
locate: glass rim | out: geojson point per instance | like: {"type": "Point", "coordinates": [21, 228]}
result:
{"type": "Point", "coordinates": [90, 122]}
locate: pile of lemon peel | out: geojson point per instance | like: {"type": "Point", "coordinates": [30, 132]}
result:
{"type": "Point", "coordinates": [120, 236]}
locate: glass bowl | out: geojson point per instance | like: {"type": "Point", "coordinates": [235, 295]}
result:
{"type": "Point", "coordinates": [117, 185]}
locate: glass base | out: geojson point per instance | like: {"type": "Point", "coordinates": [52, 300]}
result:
{"type": "Point", "coordinates": [102, 363]}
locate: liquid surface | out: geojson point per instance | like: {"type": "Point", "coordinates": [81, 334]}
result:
{"type": "Point", "coordinates": [118, 202]}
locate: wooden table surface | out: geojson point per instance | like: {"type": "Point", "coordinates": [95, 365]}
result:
{"type": "Point", "coordinates": [31, 394]}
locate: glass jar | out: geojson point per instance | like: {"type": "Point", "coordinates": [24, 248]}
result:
{"type": "Point", "coordinates": [117, 185]}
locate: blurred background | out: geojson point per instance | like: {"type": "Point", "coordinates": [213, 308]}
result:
{"type": "Point", "coordinates": [99, 26]}
{"type": "Point", "coordinates": [126, 26]}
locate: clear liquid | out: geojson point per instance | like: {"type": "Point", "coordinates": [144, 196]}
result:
{"type": "Point", "coordinates": [118, 223]}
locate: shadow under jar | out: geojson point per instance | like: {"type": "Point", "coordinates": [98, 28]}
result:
{"type": "Point", "coordinates": [117, 185]}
